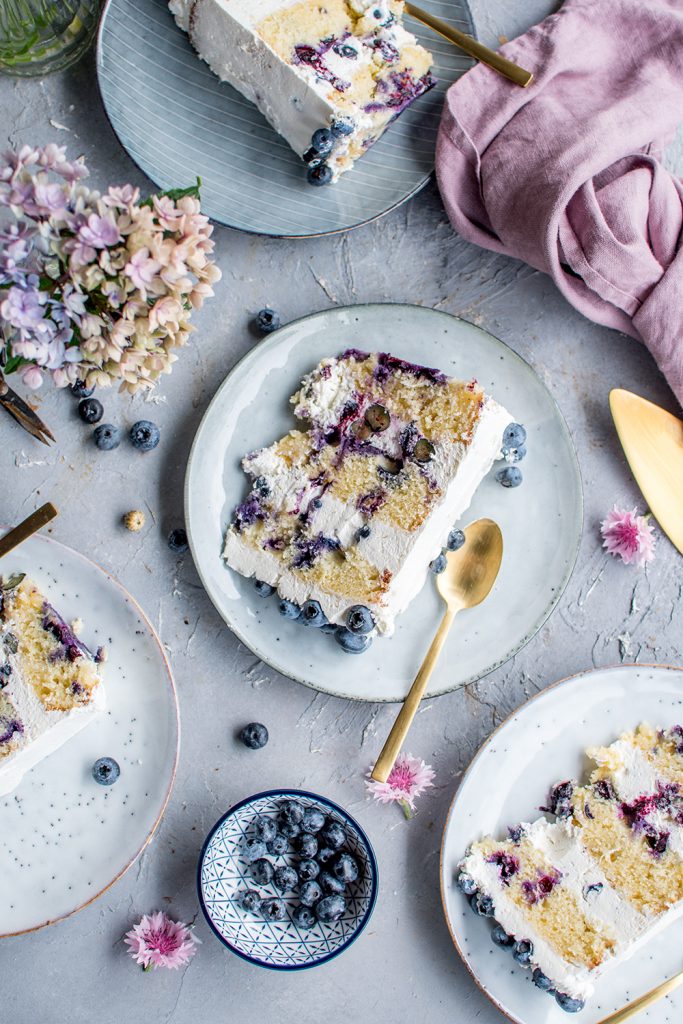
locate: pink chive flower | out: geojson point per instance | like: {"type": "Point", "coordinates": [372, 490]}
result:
{"type": "Point", "coordinates": [628, 536]}
{"type": "Point", "coordinates": [157, 941]}
{"type": "Point", "coordinates": [409, 777]}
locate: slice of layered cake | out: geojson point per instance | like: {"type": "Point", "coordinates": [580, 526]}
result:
{"type": "Point", "coordinates": [329, 77]}
{"type": "Point", "coordinates": [50, 686]}
{"type": "Point", "coordinates": [573, 896]}
{"type": "Point", "coordinates": [344, 517]}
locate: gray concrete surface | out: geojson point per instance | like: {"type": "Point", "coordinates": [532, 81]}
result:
{"type": "Point", "coordinates": [405, 968]}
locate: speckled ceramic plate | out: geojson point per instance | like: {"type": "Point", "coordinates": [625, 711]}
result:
{"type": "Point", "coordinates": [508, 780]}
{"type": "Point", "coordinates": [64, 839]}
{"type": "Point", "coordinates": [178, 121]}
{"type": "Point", "coordinates": [541, 520]}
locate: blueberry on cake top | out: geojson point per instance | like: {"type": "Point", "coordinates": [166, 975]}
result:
{"type": "Point", "coordinates": [328, 77]}
{"type": "Point", "coordinates": [574, 895]}
{"type": "Point", "coordinates": [50, 685]}
{"type": "Point", "coordinates": [345, 516]}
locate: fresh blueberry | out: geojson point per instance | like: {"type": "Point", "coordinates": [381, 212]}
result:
{"type": "Point", "coordinates": [312, 157]}
{"type": "Point", "coordinates": [509, 477]}
{"type": "Point", "coordinates": [285, 879]}
{"type": "Point", "coordinates": [320, 175]}
{"type": "Point", "coordinates": [481, 905]}
{"type": "Point", "coordinates": [342, 126]}
{"type": "Point", "coordinates": [80, 389]}
{"type": "Point", "coordinates": [105, 771]}
{"type": "Point", "coordinates": [289, 610]}
{"type": "Point", "coordinates": [267, 320]}
{"type": "Point", "coordinates": [278, 845]}
{"type": "Point", "coordinates": [424, 451]}
{"type": "Point", "coordinates": [352, 643]}
{"type": "Point", "coordinates": [177, 541]}
{"type": "Point", "coordinates": [250, 900]}
{"type": "Point", "coordinates": [330, 909]}
{"type": "Point", "coordinates": [312, 614]}
{"type": "Point", "coordinates": [308, 869]}
{"type": "Point", "coordinates": [466, 884]}
{"type": "Point", "coordinates": [90, 410]}
{"type": "Point", "coordinates": [514, 436]}
{"type": "Point", "coordinates": [333, 835]}
{"type": "Point", "coordinates": [307, 845]}
{"type": "Point", "coordinates": [303, 917]}
{"type": "Point", "coordinates": [263, 589]}
{"type": "Point", "coordinates": [293, 811]}
{"type": "Point", "coordinates": [322, 141]}
{"type": "Point", "coordinates": [262, 871]}
{"type": "Point", "coordinates": [253, 849]}
{"type": "Point", "coordinates": [265, 828]}
{"type": "Point", "coordinates": [561, 799]}
{"type": "Point", "coordinates": [290, 829]}
{"type": "Point", "coordinates": [313, 820]}
{"type": "Point", "coordinates": [456, 539]}
{"type": "Point", "coordinates": [345, 868]}
{"type": "Point", "coordinates": [330, 885]}
{"type": "Point", "coordinates": [254, 735]}
{"type": "Point", "coordinates": [439, 564]}
{"type": "Point", "coordinates": [541, 980]}
{"type": "Point", "coordinates": [377, 418]}
{"type": "Point", "coordinates": [310, 893]}
{"type": "Point", "coordinates": [359, 619]}
{"type": "Point", "coordinates": [274, 909]}
{"type": "Point", "coordinates": [261, 485]}
{"type": "Point", "coordinates": [344, 50]}
{"type": "Point", "coordinates": [501, 937]}
{"type": "Point", "coordinates": [523, 952]}
{"type": "Point", "coordinates": [325, 855]}
{"type": "Point", "coordinates": [6, 672]}
{"type": "Point", "coordinates": [514, 454]}
{"type": "Point", "coordinates": [363, 533]}
{"type": "Point", "coordinates": [568, 1004]}
{"type": "Point", "coordinates": [144, 435]}
{"type": "Point", "coordinates": [107, 437]}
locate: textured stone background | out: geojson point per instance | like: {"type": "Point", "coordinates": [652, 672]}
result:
{"type": "Point", "coordinates": [405, 967]}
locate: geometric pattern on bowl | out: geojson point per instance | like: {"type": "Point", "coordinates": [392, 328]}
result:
{"type": "Point", "coordinates": [280, 945]}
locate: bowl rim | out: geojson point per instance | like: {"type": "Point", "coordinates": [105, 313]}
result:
{"type": "Point", "coordinates": [372, 860]}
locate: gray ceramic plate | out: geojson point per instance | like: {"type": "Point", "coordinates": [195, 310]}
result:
{"type": "Point", "coordinates": [508, 780]}
{"type": "Point", "coordinates": [178, 121]}
{"type": "Point", "coordinates": [541, 520]}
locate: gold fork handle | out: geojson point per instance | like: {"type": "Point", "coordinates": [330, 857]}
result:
{"type": "Point", "coordinates": [399, 731]}
{"type": "Point", "coordinates": [644, 1001]}
{"type": "Point", "coordinates": [475, 49]}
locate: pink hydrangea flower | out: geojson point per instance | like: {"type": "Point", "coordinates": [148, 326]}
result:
{"type": "Point", "coordinates": [409, 777]}
{"type": "Point", "coordinates": [628, 536]}
{"type": "Point", "coordinates": [157, 941]}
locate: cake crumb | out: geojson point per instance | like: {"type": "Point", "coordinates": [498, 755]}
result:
{"type": "Point", "coordinates": [134, 520]}
{"type": "Point", "coordinates": [77, 626]}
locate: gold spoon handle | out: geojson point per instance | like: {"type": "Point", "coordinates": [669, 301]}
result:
{"type": "Point", "coordinates": [644, 1001]}
{"type": "Point", "coordinates": [399, 731]}
{"type": "Point", "coordinates": [475, 49]}
{"type": "Point", "coordinates": [20, 533]}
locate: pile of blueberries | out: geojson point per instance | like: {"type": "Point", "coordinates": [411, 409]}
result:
{"type": "Point", "coordinates": [322, 143]}
{"type": "Point", "coordinates": [354, 637]}
{"type": "Point", "coordinates": [143, 435]}
{"type": "Point", "coordinates": [323, 867]}
{"type": "Point", "coordinates": [522, 950]}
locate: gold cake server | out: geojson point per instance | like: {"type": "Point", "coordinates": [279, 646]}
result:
{"type": "Point", "coordinates": [653, 996]}
{"type": "Point", "coordinates": [470, 573]}
{"type": "Point", "coordinates": [652, 440]}
{"type": "Point", "coordinates": [31, 525]}
{"type": "Point", "coordinates": [472, 46]}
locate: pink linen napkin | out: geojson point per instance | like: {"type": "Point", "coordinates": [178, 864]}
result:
{"type": "Point", "coordinates": [565, 175]}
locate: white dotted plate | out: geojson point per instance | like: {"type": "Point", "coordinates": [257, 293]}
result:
{"type": "Point", "coordinates": [64, 839]}
{"type": "Point", "coordinates": [508, 781]}
{"type": "Point", "coordinates": [281, 945]}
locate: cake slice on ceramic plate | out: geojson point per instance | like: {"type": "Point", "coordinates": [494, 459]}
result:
{"type": "Point", "coordinates": [574, 896]}
{"type": "Point", "coordinates": [345, 516]}
{"type": "Point", "coordinates": [329, 77]}
{"type": "Point", "coordinates": [50, 683]}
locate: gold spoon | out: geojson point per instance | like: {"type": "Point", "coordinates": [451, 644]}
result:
{"type": "Point", "coordinates": [475, 49]}
{"type": "Point", "coordinates": [643, 1002]}
{"type": "Point", "coordinates": [469, 575]}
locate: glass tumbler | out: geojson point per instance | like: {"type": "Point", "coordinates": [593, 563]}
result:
{"type": "Point", "coordinates": [40, 36]}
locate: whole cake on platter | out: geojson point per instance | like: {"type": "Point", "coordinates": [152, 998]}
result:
{"type": "Point", "coordinates": [574, 895]}
{"type": "Point", "coordinates": [329, 77]}
{"type": "Point", "coordinates": [344, 517]}
{"type": "Point", "coordinates": [50, 684]}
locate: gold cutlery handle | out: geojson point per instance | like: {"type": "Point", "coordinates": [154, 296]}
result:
{"type": "Point", "coordinates": [29, 526]}
{"type": "Point", "coordinates": [475, 49]}
{"type": "Point", "coordinates": [644, 1001]}
{"type": "Point", "coordinates": [392, 747]}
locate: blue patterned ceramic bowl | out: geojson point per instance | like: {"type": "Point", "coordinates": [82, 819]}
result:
{"type": "Point", "coordinates": [223, 877]}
